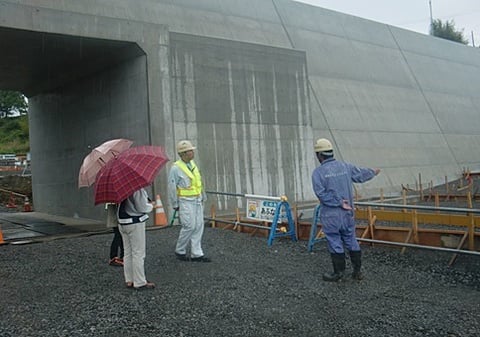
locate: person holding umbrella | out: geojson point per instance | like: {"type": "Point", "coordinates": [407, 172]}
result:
{"type": "Point", "coordinates": [186, 195]}
{"type": "Point", "coordinates": [122, 181]}
{"type": "Point", "coordinates": [332, 184]}
{"type": "Point", "coordinates": [132, 214]}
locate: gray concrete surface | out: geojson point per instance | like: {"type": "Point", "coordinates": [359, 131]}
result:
{"type": "Point", "coordinates": [252, 83]}
{"type": "Point", "coordinates": [33, 227]}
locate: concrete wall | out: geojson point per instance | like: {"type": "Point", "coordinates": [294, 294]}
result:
{"type": "Point", "coordinates": [389, 98]}
{"type": "Point", "coordinates": [246, 107]}
{"type": "Point", "coordinates": [254, 82]}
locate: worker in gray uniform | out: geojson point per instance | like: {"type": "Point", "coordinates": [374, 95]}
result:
{"type": "Point", "coordinates": [332, 184]}
{"type": "Point", "coordinates": [186, 196]}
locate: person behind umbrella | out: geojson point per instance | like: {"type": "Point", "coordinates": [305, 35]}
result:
{"type": "Point", "coordinates": [186, 195]}
{"type": "Point", "coordinates": [132, 214]}
{"type": "Point", "coordinates": [116, 247]}
{"type": "Point", "coordinates": [332, 184]}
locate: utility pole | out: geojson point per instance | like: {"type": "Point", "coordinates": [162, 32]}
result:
{"type": "Point", "coordinates": [431, 16]}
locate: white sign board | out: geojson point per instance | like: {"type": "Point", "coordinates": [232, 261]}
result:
{"type": "Point", "coordinates": [261, 210]}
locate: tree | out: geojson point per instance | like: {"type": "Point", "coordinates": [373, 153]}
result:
{"type": "Point", "coordinates": [14, 135]}
{"type": "Point", "coordinates": [446, 30]}
{"type": "Point", "coordinates": [12, 102]}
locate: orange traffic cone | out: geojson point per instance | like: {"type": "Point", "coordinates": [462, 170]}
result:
{"type": "Point", "coordinates": [160, 216]}
{"type": "Point", "coordinates": [2, 242]}
{"type": "Point", "coordinates": [26, 206]}
{"type": "Point", "coordinates": [11, 201]}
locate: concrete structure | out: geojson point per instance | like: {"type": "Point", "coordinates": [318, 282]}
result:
{"type": "Point", "coordinates": [252, 83]}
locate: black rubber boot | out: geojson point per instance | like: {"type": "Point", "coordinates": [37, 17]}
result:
{"type": "Point", "coordinates": [338, 262]}
{"type": "Point", "coordinates": [356, 258]}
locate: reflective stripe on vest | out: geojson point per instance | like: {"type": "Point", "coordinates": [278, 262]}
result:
{"type": "Point", "coordinates": [195, 188]}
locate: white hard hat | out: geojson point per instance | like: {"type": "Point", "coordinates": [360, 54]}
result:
{"type": "Point", "coordinates": [323, 145]}
{"type": "Point", "coordinates": [184, 146]}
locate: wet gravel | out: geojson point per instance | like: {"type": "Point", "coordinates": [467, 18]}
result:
{"type": "Point", "coordinates": [66, 288]}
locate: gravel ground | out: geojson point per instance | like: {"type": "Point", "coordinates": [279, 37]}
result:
{"type": "Point", "coordinates": [65, 288]}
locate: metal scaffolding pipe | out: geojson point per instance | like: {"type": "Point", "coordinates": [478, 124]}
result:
{"type": "Point", "coordinates": [411, 245]}
{"type": "Point", "coordinates": [251, 196]}
{"type": "Point", "coordinates": [235, 223]}
{"type": "Point", "coordinates": [427, 208]}
{"type": "Point", "coordinates": [226, 193]}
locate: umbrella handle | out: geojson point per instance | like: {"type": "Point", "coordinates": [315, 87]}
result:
{"type": "Point", "coordinates": [174, 216]}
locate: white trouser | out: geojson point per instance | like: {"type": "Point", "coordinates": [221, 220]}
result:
{"type": "Point", "coordinates": [191, 220]}
{"type": "Point", "coordinates": [134, 253]}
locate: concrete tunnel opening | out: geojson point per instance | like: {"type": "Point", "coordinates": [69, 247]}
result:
{"type": "Point", "coordinates": [70, 81]}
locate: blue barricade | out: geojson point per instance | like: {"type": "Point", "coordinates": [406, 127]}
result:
{"type": "Point", "coordinates": [313, 230]}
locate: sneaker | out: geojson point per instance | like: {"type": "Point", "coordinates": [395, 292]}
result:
{"type": "Point", "coordinates": [148, 285]}
{"type": "Point", "coordinates": [116, 261]}
{"type": "Point", "coordinates": [200, 259]}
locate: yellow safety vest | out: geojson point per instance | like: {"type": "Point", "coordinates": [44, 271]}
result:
{"type": "Point", "coordinates": [195, 188]}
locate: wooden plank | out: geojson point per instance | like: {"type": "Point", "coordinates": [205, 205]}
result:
{"type": "Point", "coordinates": [460, 245]}
{"type": "Point", "coordinates": [409, 236]}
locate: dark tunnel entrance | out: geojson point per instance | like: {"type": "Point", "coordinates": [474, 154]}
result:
{"type": "Point", "coordinates": [71, 82]}
{"type": "Point", "coordinates": [38, 62]}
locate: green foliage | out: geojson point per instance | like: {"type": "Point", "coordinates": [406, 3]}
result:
{"type": "Point", "coordinates": [446, 30]}
{"type": "Point", "coordinates": [11, 102]}
{"type": "Point", "coordinates": [14, 136]}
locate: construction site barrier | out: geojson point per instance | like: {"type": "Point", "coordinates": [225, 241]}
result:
{"type": "Point", "coordinates": [317, 236]}
{"type": "Point", "coordinates": [263, 209]}
{"type": "Point", "coordinates": [417, 207]}
{"type": "Point", "coordinates": [411, 245]}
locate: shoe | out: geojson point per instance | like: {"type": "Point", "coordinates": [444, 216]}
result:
{"type": "Point", "coordinates": [357, 276]}
{"type": "Point", "coordinates": [116, 261]}
{"type": "Point", "coordinates": [200, 259]}
{"type": "Point", "coordinates": [129, 284]}
{"type": "Point", "coordinates": [333, 277]}
{"type": "Point", "coordinates": [182, 257]}
{"type": "Point", "coordinates": [148, 285]}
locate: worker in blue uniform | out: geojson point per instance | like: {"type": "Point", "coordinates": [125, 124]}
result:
{"type": "Point", "coordinates": [332, 184]}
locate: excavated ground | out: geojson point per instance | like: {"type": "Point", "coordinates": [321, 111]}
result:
{"type": "Point", "coordinates": [66, 288]}
{"type": "Point", "coordinates": [17, 184]}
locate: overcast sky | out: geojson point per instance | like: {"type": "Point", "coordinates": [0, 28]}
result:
{"type": "Point", "coordinates": [412, 14]}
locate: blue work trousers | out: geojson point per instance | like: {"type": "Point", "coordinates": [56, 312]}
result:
{"type": "Point", "coordinates": [339, 228]}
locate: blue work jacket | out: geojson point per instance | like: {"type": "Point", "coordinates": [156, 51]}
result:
{"type": "Point", "coordinates": [332, 182]}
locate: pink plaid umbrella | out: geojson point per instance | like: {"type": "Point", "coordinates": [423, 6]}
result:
{"type": "Point", "coordinates": [98, 158]}
{"type": "Point", "coordinates": [131, 170]}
